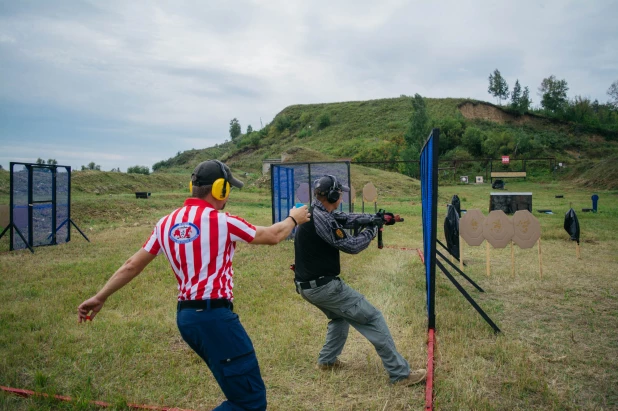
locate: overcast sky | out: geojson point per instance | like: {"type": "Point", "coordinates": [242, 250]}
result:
{"type": "Point", "coordinates": [126, 83]}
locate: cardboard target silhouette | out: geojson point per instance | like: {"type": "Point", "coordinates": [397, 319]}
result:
{"type": "Point", "coordinates": [498, 229]}
{"type": "Point", "coordinates": [370, 195]}
{"type": "Point", "coordinates": [527, 229]}
{"type": "Point", "coordinates": [524, 230]}
{"type": "Point", "coordinates": [527, 232]}
{"type": "Point", "coordinates": [471, 227]}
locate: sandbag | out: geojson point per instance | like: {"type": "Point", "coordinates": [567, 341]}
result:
{"type": "Point", "coordinates": [571, 225]}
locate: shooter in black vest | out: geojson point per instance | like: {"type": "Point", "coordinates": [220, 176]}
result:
{"type": "Point", "coordinates": [316, 249]}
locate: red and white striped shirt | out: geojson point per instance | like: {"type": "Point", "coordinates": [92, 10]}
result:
{"type": "Point", "coordinates": [199, 242]}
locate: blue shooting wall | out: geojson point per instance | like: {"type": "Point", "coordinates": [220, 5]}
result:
{"type": "Point", "coordinates": [429, 196]}
{"type": "Point", "coordinates": [40, 205]}
{"type": "Point", "coordinates": [292, 183]}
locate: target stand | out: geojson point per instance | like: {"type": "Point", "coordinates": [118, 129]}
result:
{"type": "Point", "coordinates": [40, 206]}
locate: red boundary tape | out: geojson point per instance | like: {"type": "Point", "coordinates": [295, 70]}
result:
{"type": "Point", "coordinates": [401, 248]}
{"type": "Point", "coordinates": [420, 254]}
{"type": "Point", "coordinates": [28, 393]}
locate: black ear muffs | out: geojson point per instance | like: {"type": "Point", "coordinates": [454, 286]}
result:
{"type": "Point", "coordinates": [333, 193]}
{"type": "Point", "coordinates": [221, 187]}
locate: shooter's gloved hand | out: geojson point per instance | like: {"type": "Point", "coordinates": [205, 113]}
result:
{"type": "Point", "coordinates": [389, 218]}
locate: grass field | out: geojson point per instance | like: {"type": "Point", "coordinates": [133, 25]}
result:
{"type": "Point", "coordinates": [558, 349]}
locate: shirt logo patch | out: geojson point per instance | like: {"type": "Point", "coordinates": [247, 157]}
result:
{"type": "Point", "coordinates": [183, 233]}
{"type": "Point", "coordinates": [339, 233]}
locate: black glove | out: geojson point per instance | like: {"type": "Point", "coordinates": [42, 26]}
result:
{"type": "Point", "coordinates": [388, 218]}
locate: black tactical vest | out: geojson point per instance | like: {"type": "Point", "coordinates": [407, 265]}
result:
{"type": "Point", "coordinates": [314, 257]}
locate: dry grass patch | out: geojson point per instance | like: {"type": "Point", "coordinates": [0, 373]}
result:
{"type": "Point", "coordinates": [558, 349]}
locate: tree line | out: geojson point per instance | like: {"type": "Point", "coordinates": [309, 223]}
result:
{"type": "Point", "coordinates": [283, 124]}
{"type": "Point", "coordinates": [251, 138]}
{"type": "Point", "coordinates": [555, 102]}
{"type": "Point", "coordinates": [459, 139]}
{"type": "Point", "coordinates": [92, 166]}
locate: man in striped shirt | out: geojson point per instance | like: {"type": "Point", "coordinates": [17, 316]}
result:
{"type": "Point", "coordinates": [199, 243]}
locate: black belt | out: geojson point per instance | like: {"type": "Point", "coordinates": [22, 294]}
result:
{"type": "Point", "coordinates": [205, 304]}
{"type": "Point", "coordinates": [305, 285]}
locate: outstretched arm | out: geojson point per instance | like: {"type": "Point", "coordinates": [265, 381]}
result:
{"type": "Point", "coordinates": [128, 271]}
{"type": "Point", "coordinates": [281, 230]}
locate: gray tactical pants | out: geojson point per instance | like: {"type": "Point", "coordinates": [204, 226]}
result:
{"type": "Point", "coordinates": [345, 306]}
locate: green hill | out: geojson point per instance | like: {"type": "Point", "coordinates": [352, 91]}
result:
{"type": "Point", "coordinates": [595, 174]}
{"type": "Point", "coordinates": [374, 131]}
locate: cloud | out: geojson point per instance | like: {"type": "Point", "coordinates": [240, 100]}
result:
{"type": "Point", "coordinates": [142, 81]}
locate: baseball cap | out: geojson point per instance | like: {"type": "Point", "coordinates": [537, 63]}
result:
{"type": "Point", "coordinates": [324, 184]}
{"type": "Point", "coordinates": [207, 172]}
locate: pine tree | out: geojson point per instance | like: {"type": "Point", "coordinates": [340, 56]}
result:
{"type": "Point", "coordinates": [418, 130]}
{"type": "Point", "coordinates": [612, 91]}
{"type": "Point", "coordinates": [516, 95]}
{"type": "Point", "coordinates": [235, 130]}
{"type": "Point", "coordinates": [498, 86]}
{"type": "Point", "coordinates": [553, 94]}
{"type": "Point", "coordinates": [524, 101]}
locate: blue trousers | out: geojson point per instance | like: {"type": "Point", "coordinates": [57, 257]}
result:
{"type": "Point", "coordinates": [219, 338]}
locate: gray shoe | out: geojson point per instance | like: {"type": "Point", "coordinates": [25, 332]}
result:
{"type": "Point", "coordinates": [414, 378]}
{"type": "Point", "coordinates": [330, 366]}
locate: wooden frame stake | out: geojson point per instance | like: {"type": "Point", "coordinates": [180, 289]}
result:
{"type": "Point", "coordinates": [461, 242]}
{"type": "Point", "coordinates": [540, 260]}
{"type": "Point", "coordinates": [512, 260]}
{"type": "Point", "coordinates": [488, 262]}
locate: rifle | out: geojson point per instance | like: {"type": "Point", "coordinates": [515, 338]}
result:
{"type": "Point", "coordinates": [379, 219]}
